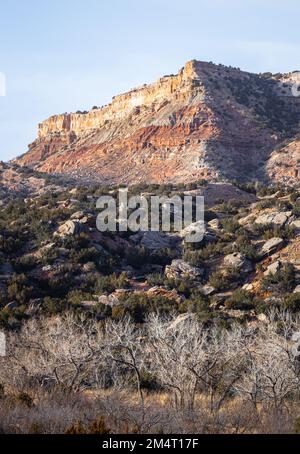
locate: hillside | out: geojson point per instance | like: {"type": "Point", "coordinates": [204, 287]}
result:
{"type": "Point", "coordinates": [130, 332]}
{"type": "Point", "coordinates": [53, 259]}
{"type": "Point", "coordinates": [207, 122]}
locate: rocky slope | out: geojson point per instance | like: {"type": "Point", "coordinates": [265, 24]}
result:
{"type": "Point", "coordinates": [16, 181]}
{"type": "Point", "coordinates": [53, 259]}
{"type": "Point", "coordinates": [208, 121]}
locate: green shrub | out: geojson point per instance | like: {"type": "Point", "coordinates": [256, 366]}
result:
{"type": "Point", "coordinates": [230, 225]}
{"type": "Point", "coordinates": [194, 305]}
{"type": "Point", "coordinates": [54, 305]}
{"type": "Point", "coordinates": [108, 284]}
{"type": "Point", "coordinates": [163, 256]}
{"type": "Point", "coordinates": [224, 280]}
{"type": "Point", "coordinates": [245, 247]}
{"type": "Point", "coordinates": [138, 306]}
{"type": "Point", "coordinates": [294, 196]}
{"type": "Point", "coordinates": [102, 311]}
{"type": "Point", "coordinates": [281, 282]}
{"type": "Point", "coordinates": [84, 255]}
{"type": "Point", "coordinates": [19, 289]}
{"type": "Point", "coordinates": [292, 302]}
{"type": "Point", "coordinates": [296, 210]}
{"type": "Point", "coordinates": [241, 300]}
{"type": "Point", "coordinates": [156, 279]}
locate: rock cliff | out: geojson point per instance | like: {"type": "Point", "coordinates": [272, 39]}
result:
{"type": "Point", "coordinates": [208, 121]}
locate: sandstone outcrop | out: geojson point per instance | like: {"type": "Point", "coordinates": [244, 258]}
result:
{"type": "Point", "coordinates": [69, 228]}
{"type": "Point", "coordinates": [296, 225]}
{"type": "Point", "coordinates": [272, 246]}
{"type": "Point", "coordinates": [273, 268]}
{"type": "Point", "coordinates": [180, 270]}
{"type": "Point", "coordinates": [206, 122]}
{"type": "Point", "coordinates": [238, 261]}
{"type": "Point", "coordinates": [155, 241]}
{"type": "Point", "coordinates": [171, 295]}
{"type": "Point", "coordinates": [275, 218]}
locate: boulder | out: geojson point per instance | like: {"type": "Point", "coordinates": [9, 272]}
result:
{"type": "Point", "coordinates": [69, 228]}
{"type": "Point", "coordinates": [179, 269]}
{"type": "Point", "coordinates": [276, 218]}
{"type": "Point", "coordinates": [247, 221]}
{"type": "Point", "coordinates": [207, 290]}
{"type": "Point", "coordinates": [89, 267]}
{"type": "Point", "coordinates": [200, 229]}
{"type": "Point", "coordinates": [297, 289]}
{"type": "Point", "coordinates": [78, 215]}
{"type": "Point", "coordinates": [168, 294]}
{"type": "Point", "coordinates": [296, 225]}
{"type": "Point", "coordinates": [83, 216]}
{"type": "Point", "coordinates": [273, 268]}
{"type": "Point", "coordinates": [109, 300]}
{"type": "Point", "coordinates": [272, 245]}
{"type": "Point", "coordinates": [238, 261]}
{"type": "Point", "coordinates": [154, 241]}
{"type": "Point", "coordinates": [49, 268]}
{"type": "Point", "coordinates": [215, 224]}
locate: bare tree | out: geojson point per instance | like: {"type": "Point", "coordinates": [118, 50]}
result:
{"type": "Point", "coordinates": [271, 374]}
{"type": "Point", "coordinates": [254, 366]}
{"type": "Point", "coordinates": [187, 357]}
{"type": "Point", "coordinates": [61, 350]}
{"type": "Point", "coordinates": [124, 345]}
{"type": "Point", "coordinates": [179, 356]}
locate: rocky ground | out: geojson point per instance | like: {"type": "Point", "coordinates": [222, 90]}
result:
{"type": "Point", "coordinates": [53, 259]}
{"type": "Point", "coordinates": [17, 181]}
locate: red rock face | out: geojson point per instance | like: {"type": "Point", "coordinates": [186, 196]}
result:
{"type": "Point", "coordinates": [207, 121]}
{"type": "Point", "coordinates": [284, 164]}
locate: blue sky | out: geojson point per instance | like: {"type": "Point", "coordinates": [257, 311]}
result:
{"type": "Point", "coordinates": [68, 55]}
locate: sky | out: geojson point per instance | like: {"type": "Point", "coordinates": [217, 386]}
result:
{"type": "Point", "coordinates": [68, 55]}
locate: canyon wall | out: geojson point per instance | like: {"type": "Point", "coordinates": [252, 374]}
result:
{"type": "Point", "coordinates": [207, 121]}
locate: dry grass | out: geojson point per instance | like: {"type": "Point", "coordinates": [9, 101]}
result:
{"type": "Point", "coordinates": [121, 412]}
